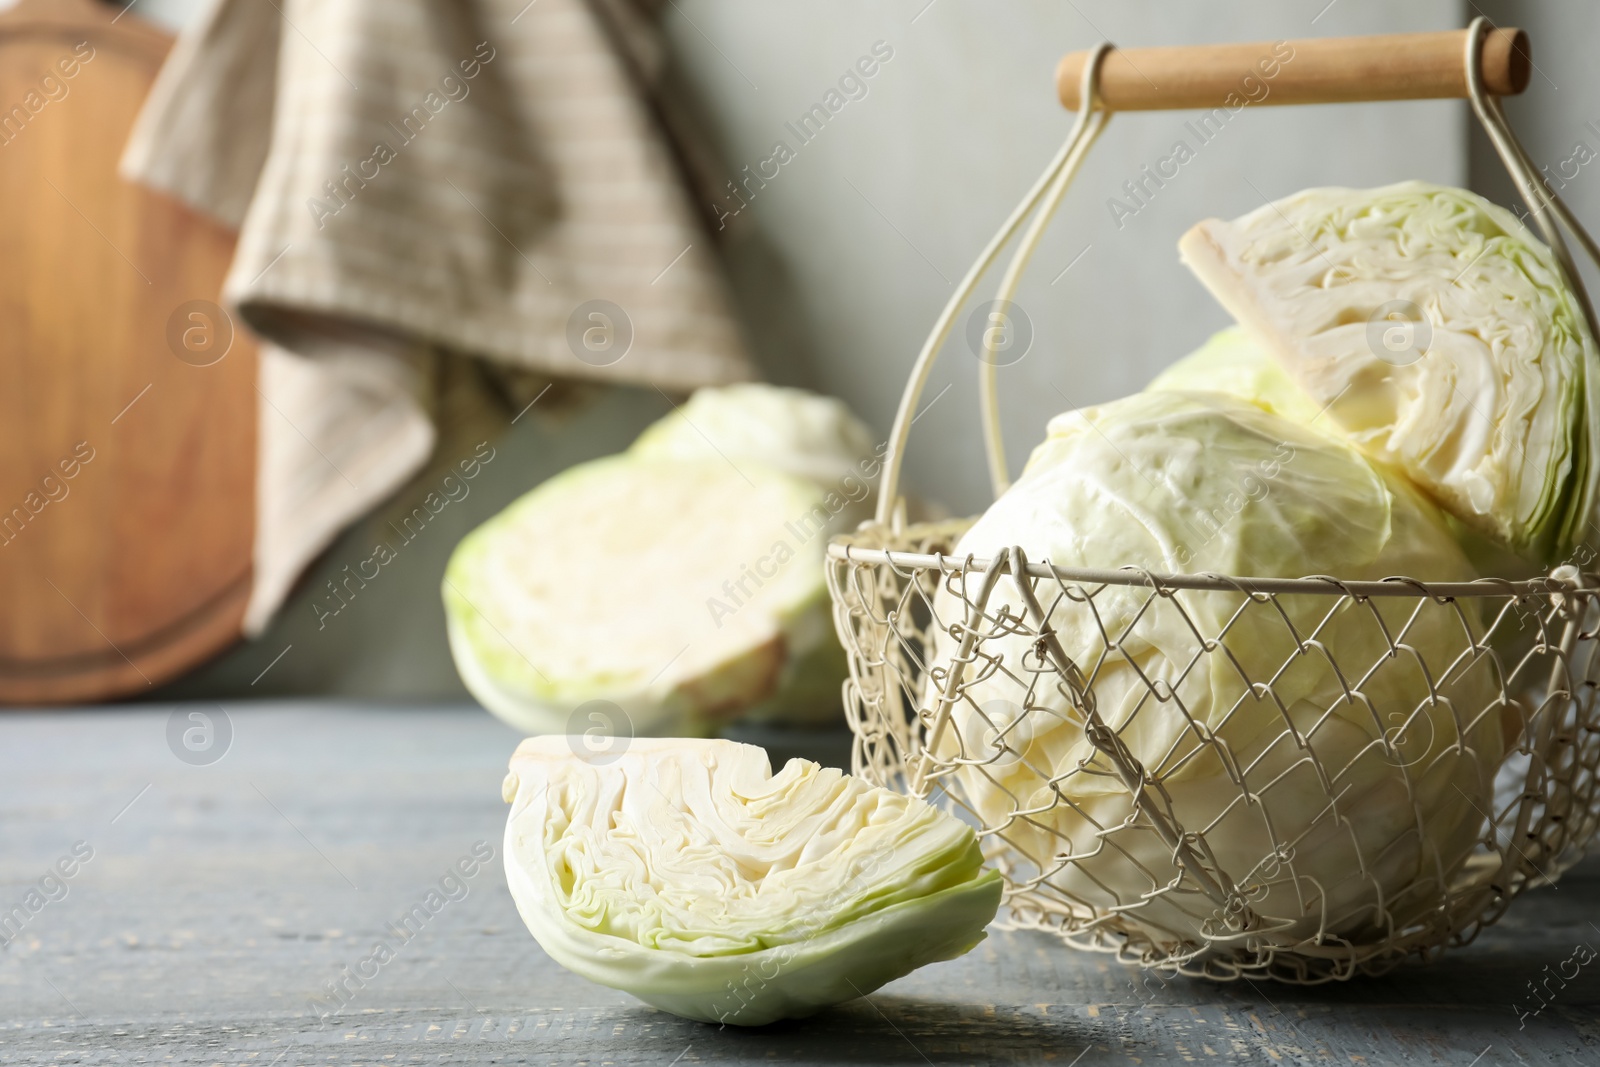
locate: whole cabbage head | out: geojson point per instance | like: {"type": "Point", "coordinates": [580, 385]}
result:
{"type": "Point", "coordinates": [1334, 757]}
{"type": "Point", "coordinates": [686, 873]}
{"type": "Point", "coordinates": [1439, 334]}
{"type": "Point", "coordinates": [1230, 362]}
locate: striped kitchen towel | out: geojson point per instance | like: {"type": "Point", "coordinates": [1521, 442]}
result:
{"type": "Point", "coordinates": [424, 180]}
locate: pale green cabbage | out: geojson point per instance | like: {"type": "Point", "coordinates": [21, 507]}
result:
{"type": "Point", "coordinates": [1202, 482]}
{"type": "Point", "coordinates": [813, 436]}
{"type": "Point", "coordinates": [1230, 362]}
{"type": "Point", "coordinates": [1488, 404]}
{"type": "Point", "coordinates": [687, 874]}
{"type": "Point", "coordinates": [680, 582]}
{"type": "Point", "coordinates": [685, 593]}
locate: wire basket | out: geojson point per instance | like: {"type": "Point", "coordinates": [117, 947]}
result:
{"type": "Point", "coordinates": [1099, 765]}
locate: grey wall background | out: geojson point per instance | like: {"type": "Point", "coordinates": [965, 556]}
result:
{"type": "Point", "coordinates": [871, 225]}
{"type": "Point", "coordinates": [841, 263]}
{"type": "Point", "coordinates": [1559, 113]}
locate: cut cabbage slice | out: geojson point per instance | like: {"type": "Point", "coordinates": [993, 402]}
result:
{"type": "Point", "coordinates": [1440, 336]}
{"type": "Point", "coordinates": [681, 592]}
{"type": "Point", "coordinates": [812, 436]}
{"type": "Point", "coordinates": [1362, 786]}
{"type": "Point", "coordinates": [685, 873]}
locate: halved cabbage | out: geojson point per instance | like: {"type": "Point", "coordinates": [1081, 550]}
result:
{"type": "Point", "coordinates": [686, 873]}
{"type": "Point", "coordinates": [1441, 337]}
{"type": "Point", "coordinates": [684, 592]}
{"type": "Point", "coordinates": [812, 436]}
{"type": "Point", "coordinates": [1338, 799]}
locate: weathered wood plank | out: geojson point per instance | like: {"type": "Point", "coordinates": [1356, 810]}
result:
{"type": "Point", "coordinates": [218, 904]}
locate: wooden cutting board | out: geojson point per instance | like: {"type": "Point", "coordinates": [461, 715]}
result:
{"type": "Point", "coordinates": [127, 418]}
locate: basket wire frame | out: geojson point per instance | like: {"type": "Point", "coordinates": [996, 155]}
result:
{"type": "Point", "coordinates": [1139, 868]}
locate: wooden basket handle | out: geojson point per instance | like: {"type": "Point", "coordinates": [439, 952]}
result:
{"type": "Point", "coordinates": [1326, 70]}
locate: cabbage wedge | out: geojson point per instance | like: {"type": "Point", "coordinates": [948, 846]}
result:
{"type": "Point", "coordinates": [686, 873]}
{"type": "Point", "coordinates": [1439, 335]}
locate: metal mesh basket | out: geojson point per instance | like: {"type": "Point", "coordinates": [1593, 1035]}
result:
{"type": "Point", "coordinates": [1108, 775]}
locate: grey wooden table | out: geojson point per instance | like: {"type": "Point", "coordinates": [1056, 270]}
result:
{"type": "Point", "coordinates": [211, 906]}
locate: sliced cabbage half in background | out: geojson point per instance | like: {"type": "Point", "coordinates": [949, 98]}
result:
{"type": "Point", "coordinates": [687, 874]}
{"type": "Point", "coordinates": [679, 583]}
{"type": "Point", "coordinates": [683, 592]}
{"type": "Point", "coordinates": [1340, 822]}
{"type": "Point", "coordinates": [1440, 336]}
